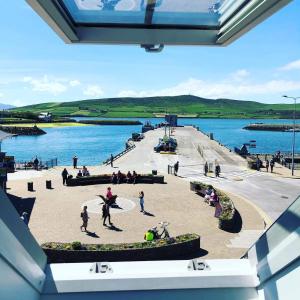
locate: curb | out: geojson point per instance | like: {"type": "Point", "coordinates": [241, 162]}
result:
{"type": "Point", "coordinates": [267, 219]}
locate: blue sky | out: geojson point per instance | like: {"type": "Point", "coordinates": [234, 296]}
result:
{"type": "Point", "coordinates": [36, 66]}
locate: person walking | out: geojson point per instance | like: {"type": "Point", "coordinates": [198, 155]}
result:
{"type": "Point", "coordinates": [217, 170]}
{"type": "Point", "coordinates": [142, 201]}
{"type": "Point", "coordinates": [205, 168]}
{"type": "Point", "coordinates": [64, 175]}
{"type": "Point", "coordinates": [106, 214]}
{"type": "Point", "coordinates": [84, 216]}
{"type": "Point", "coordinates": [257, 164]}
{"type": "Point", "coordinates": [272, 163]}
{"type": "Point", "coordinates": [36, 163]}
{"type": "Point", "coordinates": [176, 167]}
{"type": "Point", "coordinates": [75, 160]}
{"type": "Point", "coordinates": [267, 165]}
{"type": "Point", "coordinates": [109, 194]}
{"type": "Point", "coordinates": [111, 160]}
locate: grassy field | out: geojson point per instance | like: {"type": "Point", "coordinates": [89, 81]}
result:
{"type": "Point", "coordinates": [47, 125]}
{"type": "Point", "coordinates": [186, 105]}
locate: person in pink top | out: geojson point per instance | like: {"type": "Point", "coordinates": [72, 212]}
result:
{"type": "Point", "coordinates": [109, 193]}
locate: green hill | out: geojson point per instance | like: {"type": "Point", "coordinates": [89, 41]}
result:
{"type": "Point", "coordinates": [187, 105]}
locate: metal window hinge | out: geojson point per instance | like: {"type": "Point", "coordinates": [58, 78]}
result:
{"type": "Point", "coordinates": [153, 48]}
{"type": "Point", "coordinates": [198, 265]}
{"type": "Point", "coordinates": [101, 267]}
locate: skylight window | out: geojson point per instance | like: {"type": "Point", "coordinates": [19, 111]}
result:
{"type": "Point", "coordinates": [147, 12]}
{"type": "Point", "coordinates": [155, 22]}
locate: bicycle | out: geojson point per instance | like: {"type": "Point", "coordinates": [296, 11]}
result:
{"type": "Point", "coordinates": [154, 234]}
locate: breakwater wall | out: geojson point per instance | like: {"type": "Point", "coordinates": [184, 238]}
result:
{"type": "Point", "coordinates": [110, 122]}
{"type": "Point", "coordinates": [22, 130]}
{"type": "Point", "coordinates": [272, 127]}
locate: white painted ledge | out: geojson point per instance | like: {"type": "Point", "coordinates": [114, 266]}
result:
{"type": "Point", "coordinates": [149, 275]}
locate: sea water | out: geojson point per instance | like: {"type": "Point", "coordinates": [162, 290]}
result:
{"type": "Point", "coordinates": [93, 144]}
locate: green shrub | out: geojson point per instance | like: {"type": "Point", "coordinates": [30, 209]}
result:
{"type": "Point", "coordinates": [76, 245]}
{"type": "Point", "coordinates": [113, 247]}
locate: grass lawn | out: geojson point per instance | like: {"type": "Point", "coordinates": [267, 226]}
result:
{"type": "Point", "coordinates": [48, 125]}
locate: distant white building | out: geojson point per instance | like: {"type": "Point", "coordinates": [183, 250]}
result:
{"type": "Point", "coordinates": [45, 117]}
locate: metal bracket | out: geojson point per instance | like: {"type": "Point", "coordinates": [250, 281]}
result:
{"type": "Point", "coordinates": [198, 265]}
{"type": "Point", "coordinates": [153, 48]}
{"type": "Point", "coordinates": [101, 267]}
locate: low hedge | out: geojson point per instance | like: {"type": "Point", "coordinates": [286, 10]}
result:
{"type": "Point", "coordinates": [106, 179]}
{"type": "Point", "coordinates": [227, 217]}
{"type": "Point", "coordinates": [172, 248]}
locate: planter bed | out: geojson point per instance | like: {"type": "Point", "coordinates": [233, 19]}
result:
{"type": "Point", "coordinates": [106, 179]}
{"type": "Point", "coordinates": [227, 219]}
{"type": "Point", "coordinates": [181, 247]}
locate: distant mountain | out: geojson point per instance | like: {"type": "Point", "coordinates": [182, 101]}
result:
{"type": "Point", "coordinates": [185, 105]}
{"type": "Point", "coordinates": [6, 106]}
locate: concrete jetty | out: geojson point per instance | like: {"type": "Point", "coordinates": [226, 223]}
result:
{"type": "Point", "coordinates": [271, 193]}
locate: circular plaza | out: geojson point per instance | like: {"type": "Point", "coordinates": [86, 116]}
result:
{"type": "Point", "coordinates": [55, 213]}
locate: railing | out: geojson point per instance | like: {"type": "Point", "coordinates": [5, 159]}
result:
{"type": "Point", "coordinates": [29, 165]}
{"type": "Point", "coordinates": [107, 162]}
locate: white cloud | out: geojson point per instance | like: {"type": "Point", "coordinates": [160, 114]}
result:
{"type": "Point", "coordinates": [220, 89]}
{"type": "Point", "coordinates": [240, 75]}
{"type": "Point", "coordinates": [1, 95]}
{"type": "Point", "coordinates": [17, 102]}
{"type": "Point", "coordinates": [74, 82]}
{"type": "Point", "coordinates": [45, 84]}
{"type": "Point", "coordinates": [294, 65]}
{"type": "Point", "coordinates": [93, 91]}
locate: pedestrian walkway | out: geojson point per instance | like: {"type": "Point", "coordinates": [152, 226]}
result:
{"type": "Point", "coordinates": [245, 239]}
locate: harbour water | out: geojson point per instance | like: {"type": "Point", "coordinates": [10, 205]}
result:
{"type": "Point", "coordinates": [93, 144]}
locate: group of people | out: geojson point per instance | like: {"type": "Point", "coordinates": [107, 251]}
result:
{"type": "Point", "coordinates": [268, 163]}
{"type": "Point", "coordinates": [119, 177]}
{"type": "Point", "coordinates": [217, 169]}
{"type": "Point", "coordinates": [211, 197]}
{"type": "Point", "coordinates": [205, 169]}
{"type": "Point", "coordinates": [65, 174]}
{"type": "Point", "coordinates": [84, 172]}
{"type": "Point", "coordinates": [109, 200]}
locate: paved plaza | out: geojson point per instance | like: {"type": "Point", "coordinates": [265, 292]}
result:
{"type": "Point", "coordinates": [258, 197]}
{"type": "Point", "coordinates": [56, 214]}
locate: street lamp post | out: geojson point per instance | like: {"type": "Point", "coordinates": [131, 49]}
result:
{"type": "Point", "coordinates": [294, 131]}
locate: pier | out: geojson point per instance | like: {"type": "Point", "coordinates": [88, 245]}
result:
{"type": "Point", "coordinates": [272, 193]}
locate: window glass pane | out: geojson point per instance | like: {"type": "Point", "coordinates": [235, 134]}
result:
{"type": "Point", "coordinates": [150, 12]}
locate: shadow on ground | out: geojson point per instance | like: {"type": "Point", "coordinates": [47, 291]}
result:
{"type": "Point", "coordinates": [22, 204]}
{"type": "Point", "coordinates": [238, 223]}
{"type": "Point", "coordinates": [114, 228]}
{"type": "Point", "coordinates": [200, 253]}
{"type": "Point", "coordinates": [149, 214]}
{"type": "Point", "coordinates": [92, 234]}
